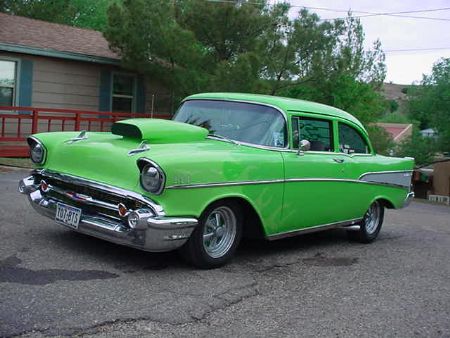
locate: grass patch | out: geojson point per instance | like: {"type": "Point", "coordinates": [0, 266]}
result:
{"type": "Point", "coordinates": [395, 118]}
{"type": "Point", "coordinates": [16, 162]}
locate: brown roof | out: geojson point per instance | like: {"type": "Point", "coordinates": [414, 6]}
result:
{"type": "Point", "coordinates": [18, 30]}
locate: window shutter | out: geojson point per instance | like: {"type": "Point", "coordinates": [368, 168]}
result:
{"type": "Point", "coordinates": [105, 91]}
{"type": "Point", "coordinates": [140, 95]}
{"type": "Point", "coordinates": [25, 83]}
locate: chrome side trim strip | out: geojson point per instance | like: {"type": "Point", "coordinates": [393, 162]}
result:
{"type": "Point", "coordinates": [274, 181]}
{"type": "Point", "coordinates": [251, 145]}
{"type": "Point", "coordinates": [343, 180]}
{"type": "Point", "coordinates": [314, 229]}
{"type": "Point", "coordinates": [100, 186]}
{"type": "Point", "coordinates": [223, 184]}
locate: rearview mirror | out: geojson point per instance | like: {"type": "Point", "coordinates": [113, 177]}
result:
{"type": "Point", "coordinates": [303, 145]}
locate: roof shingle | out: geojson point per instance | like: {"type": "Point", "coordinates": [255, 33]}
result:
{"type": "Point", "coordinates": [18, 30]}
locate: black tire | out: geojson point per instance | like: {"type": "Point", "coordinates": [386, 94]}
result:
{"type": "Point", "coordinates": [201, 250]}
{"type": "Point", "coordinates": [371, 224]}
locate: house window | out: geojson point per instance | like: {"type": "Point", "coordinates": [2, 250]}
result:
{"type": "Point", "coordinates": [7, 82]}
{"type": "Point", "coordinates": [123, 93]}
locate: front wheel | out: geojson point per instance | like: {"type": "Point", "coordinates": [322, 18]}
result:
{"type": "Point", "coordinates": [214, 241]}
{"type": "Point", "coordinates": [370, 225]}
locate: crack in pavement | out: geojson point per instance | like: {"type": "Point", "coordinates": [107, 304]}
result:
{"type": "Point", "coordinates": [220, 301]}
{"type": "Point", "coordinates": [227, 298]}
{"type": "Point", "coordinates": [319, 259]}
{"type": "Point", "coordinates": [233, 299]}
{"type": "Point", "coordinates": [106, 326]}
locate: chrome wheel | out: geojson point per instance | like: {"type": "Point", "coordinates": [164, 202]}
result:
{"type": "Point", "coordinates": [372, 218]}
{"type": "Point", "coordinates": [219, 232]}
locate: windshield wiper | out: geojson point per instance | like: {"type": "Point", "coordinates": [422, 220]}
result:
{"type": "Point", "coordinates": [220, 137]}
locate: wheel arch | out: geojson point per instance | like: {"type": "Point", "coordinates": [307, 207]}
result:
{"type": "Point", "coordinates": [252, 222]}
{"type": "Point", "coordinates": [385, 202]}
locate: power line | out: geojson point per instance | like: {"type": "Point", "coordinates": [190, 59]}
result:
{"type": "Point", "coordinates": [400, 14]}
{"type": "Point", "coordinates": [395, 14]}
{"type": "Point", "coordinates": [364, 12]}
{"type": "Point", "coordinates": [415, 49]}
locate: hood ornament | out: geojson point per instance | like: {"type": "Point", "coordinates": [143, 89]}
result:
{"type": "Point", "coordinates": [81, 136]}
{"type": "Point", "coordinates": [142, 147]}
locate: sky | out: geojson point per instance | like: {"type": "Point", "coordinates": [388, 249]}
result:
{"type": "Point", "coordinates": [396, 33]}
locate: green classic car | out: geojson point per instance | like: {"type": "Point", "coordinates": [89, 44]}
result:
{"type": "Point", "coordinates": [227, 166]}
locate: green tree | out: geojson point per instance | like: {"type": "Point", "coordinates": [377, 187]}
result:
{"type": "Point", "coordinates": [429, 103]}
{"type": "Point", "coordinates": [381, 140]}
{"type": "Point", "coordinates": [344, 92]}
{"type": "Point", "coordinates": [191, 45]}
{"type": "Point", "coordinates": [335, 69]}
{"type": "Point", "coordinates": [423, 149]}
{"type": "Point", "coordinates": [149, 38]}
{"type": "Point", "coordinates": [199, 45]}
{"type": "Point", "coordinates": [79, 13]}
{"type": "Point", "coordinates": [393, 106]}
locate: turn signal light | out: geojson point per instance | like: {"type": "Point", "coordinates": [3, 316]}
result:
{"type": "Point", "coordinates": [44, 186]}
{"type": "Point", "coordinates": [123, 211]}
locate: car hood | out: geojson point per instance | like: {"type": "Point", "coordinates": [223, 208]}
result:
{"type": "Point", "coordinates": [106, 158]}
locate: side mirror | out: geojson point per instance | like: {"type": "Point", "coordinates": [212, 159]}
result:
{"type": "Point", "coordinates": [303, 145]}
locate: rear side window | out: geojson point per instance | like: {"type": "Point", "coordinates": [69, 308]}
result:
{"type": "Point", "coordinates": [351, 141]}
{"type": "Point", "coordinates": [317, 131]}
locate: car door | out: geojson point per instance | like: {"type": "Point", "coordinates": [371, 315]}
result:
{"type": "Point", "coordinates": [314, 179]}
{"type": "Point", "coordinates": [359, 157]}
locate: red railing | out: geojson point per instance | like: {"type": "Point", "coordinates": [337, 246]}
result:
{"type": "Point", "coordinates": [17, 123]}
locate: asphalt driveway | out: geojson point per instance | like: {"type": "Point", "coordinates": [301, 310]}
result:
{"type": "Point", "coordinates": [57, 282]}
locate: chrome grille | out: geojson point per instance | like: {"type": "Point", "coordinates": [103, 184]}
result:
{"type": "Point", "coordinates": [91, 200]}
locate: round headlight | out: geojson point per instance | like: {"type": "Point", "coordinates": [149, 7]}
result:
{"type": "Point", "coordinates": [37, 152]}
{"type": "Point", "coordinates": [152, 179]}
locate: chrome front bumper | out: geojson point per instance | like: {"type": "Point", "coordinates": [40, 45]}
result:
{"type": "Point", "coordinates": [154, 231]}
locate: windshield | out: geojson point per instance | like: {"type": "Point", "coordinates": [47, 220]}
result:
{"type": "Point", "coordinates": [239, 121]}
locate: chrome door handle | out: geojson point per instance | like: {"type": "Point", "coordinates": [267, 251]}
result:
{"type": "Point", "coordinates": [338, 160]}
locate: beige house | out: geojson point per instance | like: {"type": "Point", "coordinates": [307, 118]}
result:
{"type": "Point", "coordinates": [50, 65]}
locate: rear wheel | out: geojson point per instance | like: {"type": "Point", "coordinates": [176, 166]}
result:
{"type": "Point", "coordinates": [371, 224]}
{"type": "Point", "coordinates": [214, 241]}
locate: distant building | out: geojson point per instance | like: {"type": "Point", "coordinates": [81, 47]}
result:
{"type": "Point", "coordinates": [429, 132]}
{"type": "Point", "coordinates": [50, 65]}
{"type": "Point", "coordinates": [398, 131]}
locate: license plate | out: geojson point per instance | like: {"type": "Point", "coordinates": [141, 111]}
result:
{"type": "Point", "coordinates": [68, 215]}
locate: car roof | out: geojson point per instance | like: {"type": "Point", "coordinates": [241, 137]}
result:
{"type": "Point", "coordinates": [288, 105]}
